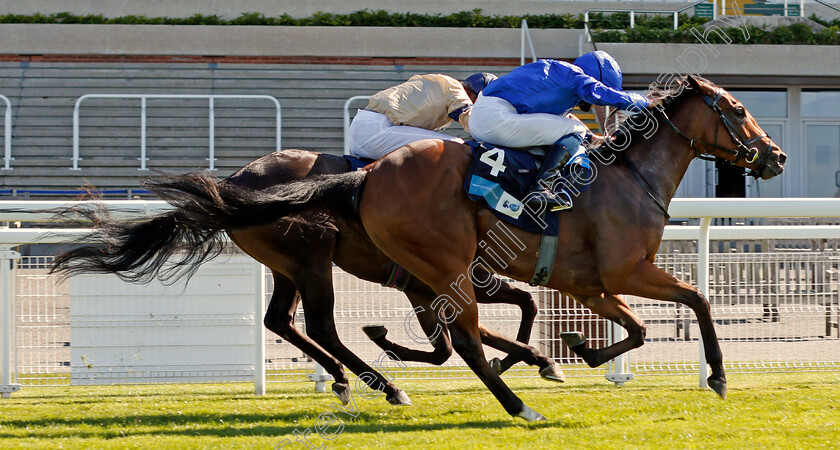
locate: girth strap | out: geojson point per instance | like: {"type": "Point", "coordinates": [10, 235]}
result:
{"type": "Point", "coordinates": [545, 260]}
{"type": "Point", "coordinates": [399, 277]}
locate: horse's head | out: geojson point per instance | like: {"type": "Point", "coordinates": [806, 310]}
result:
{"type": "Point", "coordinates": [733, 133]}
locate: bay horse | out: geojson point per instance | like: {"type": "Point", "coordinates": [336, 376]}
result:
{"type": "Point", "coordinates": [300, 252]}
{"type": "Point", "coordinates": [413, 206]}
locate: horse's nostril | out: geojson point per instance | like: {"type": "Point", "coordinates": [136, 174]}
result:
{"type": "Point", "coordinates": [782, 159]}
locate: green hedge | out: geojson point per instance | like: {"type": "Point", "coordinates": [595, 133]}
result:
{"type": "Point", "coordinates": [796, 34]}
{"type": "Point", "coordinates": [366, 17]}
{"type": "Point", "coordinates": [606, 27]}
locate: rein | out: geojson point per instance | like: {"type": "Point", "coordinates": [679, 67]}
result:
{"type": "Point", "coordinates": [645, 186]}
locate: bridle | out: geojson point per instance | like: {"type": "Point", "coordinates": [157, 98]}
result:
{"type": "Point", "coordinates": [743, 150]}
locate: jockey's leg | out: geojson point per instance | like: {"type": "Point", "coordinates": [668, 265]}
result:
{"type": "Point", "coordinates": [372, 135]}
{"type": "Point", "coordinates": [554, 186]}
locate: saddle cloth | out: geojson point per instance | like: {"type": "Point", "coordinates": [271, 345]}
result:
{"type": "Point", "coordinates": [357, 163]}
{"type": "Point", "coordinates": [501, 178]}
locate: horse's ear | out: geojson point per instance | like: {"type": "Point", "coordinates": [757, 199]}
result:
{"type": "Point", "coordinates": [698, 85]}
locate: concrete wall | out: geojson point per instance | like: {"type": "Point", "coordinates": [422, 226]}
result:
{"type": "Point", "coordinates": [282, 41]}
{"type": "Point", "coordinates": [229, 9]}
{"type": "Point", "coordinates": [644, 60]}
{"type": "Point", "coordinates": [731, 60]}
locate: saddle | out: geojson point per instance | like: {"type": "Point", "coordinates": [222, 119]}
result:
{"type": "Point", "coordinates": [357, 163]}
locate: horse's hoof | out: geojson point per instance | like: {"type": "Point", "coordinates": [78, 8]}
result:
{"type": "Point", "coordinates": [374, 332]}
{"type": "Point", "coordinates": [342, 391]}
{"type": "Point", "coordinates": [573, 338]}
{"type": "Point", "coordinates": [719, 386]}
{"type": "Point", "coordinates": [399, 398]}
{"type": "Point", "coordinates": [530, 415]}
{"type": "Point", "coordinates": [496, 365]}
{"type": "Point", "coordinates": [553, 373]}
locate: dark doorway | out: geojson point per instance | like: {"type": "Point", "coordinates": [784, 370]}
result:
{"type": "Point", "coordinates": [730, 180]}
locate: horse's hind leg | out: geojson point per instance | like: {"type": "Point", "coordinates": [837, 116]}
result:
{"type": "Point", "coordinates": [498, 291]}
{"type": "Point", "coordinates": [649, 281]}
{"type": "Point", "coordinates": [439, 338]}
{"type": "Point", "coordinates": [280, 318]}
{"type": "Point", "coordinates": [437, 333]}
{"type": "Point", "coordinates": [316, 289]}
{"type": "Point", "coordinates": [517, 351]}
{"type": "Point", "coordinates": [614, 308]}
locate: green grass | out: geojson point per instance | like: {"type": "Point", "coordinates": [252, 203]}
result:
{"type": "Point", "coordinates": [762, 411]}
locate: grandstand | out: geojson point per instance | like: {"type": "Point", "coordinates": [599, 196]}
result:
{"type": "Point", "coordinates": [312, 71]}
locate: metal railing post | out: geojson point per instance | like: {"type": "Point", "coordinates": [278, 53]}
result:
{"type": "Point", "coordinates": [79, 100]}
{"type": "Point", "coordinates": [212, 135]}
{"type": "Point", "coordinates": [143, 157]}
{"type": "Point", "coordinates": [619, 366]}
{"type": "Point", "coordinates": [7, 154]}
{"type": "Point", "coordinates": [586, 26]}
{"type": "Point", "coordinates": [526, 34]}
{"type": "Point", "coordinates": [277, 121]}
{"type": "Point", "coordinates": [320, 377]}
{"type": "Point", "coordinates": [8, 370]}
{"type": "Point", "coordinates": [259, 331]}
{"type": "Point", "coordinates": [346, 117]}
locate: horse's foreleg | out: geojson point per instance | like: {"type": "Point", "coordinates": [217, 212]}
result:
{"type": "Point", "coordinates": [501, 292]}
{"type": "Point", "coordinates": [316, 289]}
{"type": "Point", "coordinates": [614, 308]}
{"type": "Point", "coordinates": [280, 319]}
{"type": "Point", "coordinates": [649, 281]}
{"type": "Point", "coordinates": [435, 330]}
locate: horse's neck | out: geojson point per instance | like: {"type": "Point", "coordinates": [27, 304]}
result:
{"type": "Point", "coordinates": [663, 159]}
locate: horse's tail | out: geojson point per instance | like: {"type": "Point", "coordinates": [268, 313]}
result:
{"type": "Point", "coordinates": [173, 244]}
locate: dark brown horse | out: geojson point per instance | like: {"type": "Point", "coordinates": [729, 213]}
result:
{"type": "Point", "coordinates": [300, 252]}
{"type": "Point", "coordinates": [301, 260]}
{"type": "Point", "coordinates": [415, 209]}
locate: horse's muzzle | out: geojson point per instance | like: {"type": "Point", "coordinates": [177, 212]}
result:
{"type": "Point", "coordinates": [774, 168]}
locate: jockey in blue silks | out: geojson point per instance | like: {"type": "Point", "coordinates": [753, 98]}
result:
{"type": "Point", "coordinates": [530, 107]}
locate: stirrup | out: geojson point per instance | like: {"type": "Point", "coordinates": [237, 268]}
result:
{"type": "Point", "coordinates": [554, 200]}
{"type": "Point", "coordinates": [563, 204]}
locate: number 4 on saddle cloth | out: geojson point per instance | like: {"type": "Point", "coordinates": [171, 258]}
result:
{"type": "Point", "coordinates": [502, 178]}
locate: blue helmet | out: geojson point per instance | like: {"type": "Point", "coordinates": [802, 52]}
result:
{"type": "Point", "coordinates": [478, 81]}
{"type": "Point", "coordinates": [602, 67]}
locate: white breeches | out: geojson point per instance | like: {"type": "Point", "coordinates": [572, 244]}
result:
{"type": "Point", "coordinates": [372, 135]}
{"type": "Point", "coordinates": [495, 121]}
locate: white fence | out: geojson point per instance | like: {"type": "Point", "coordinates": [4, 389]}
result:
{"type": "Point", "coordinates": [775, 310]}
{"type": "Point", "coordinates": [143, 106]}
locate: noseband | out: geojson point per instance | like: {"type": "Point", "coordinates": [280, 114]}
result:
{"type": "Point", "coordinates": [743, 150]}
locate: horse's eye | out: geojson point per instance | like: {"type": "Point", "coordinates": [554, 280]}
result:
{"type": "Point", "coordinates": [741, 112]}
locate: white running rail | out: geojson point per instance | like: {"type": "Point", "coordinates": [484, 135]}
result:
{"type": "Point", "coordinates": [702, 208]}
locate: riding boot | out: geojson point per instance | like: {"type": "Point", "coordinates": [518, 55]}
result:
{"type": "Point", "coordinates": [550, 170]}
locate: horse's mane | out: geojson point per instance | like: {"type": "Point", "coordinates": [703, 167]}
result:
{"type": "Point", "coordinates": [626, 127]}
